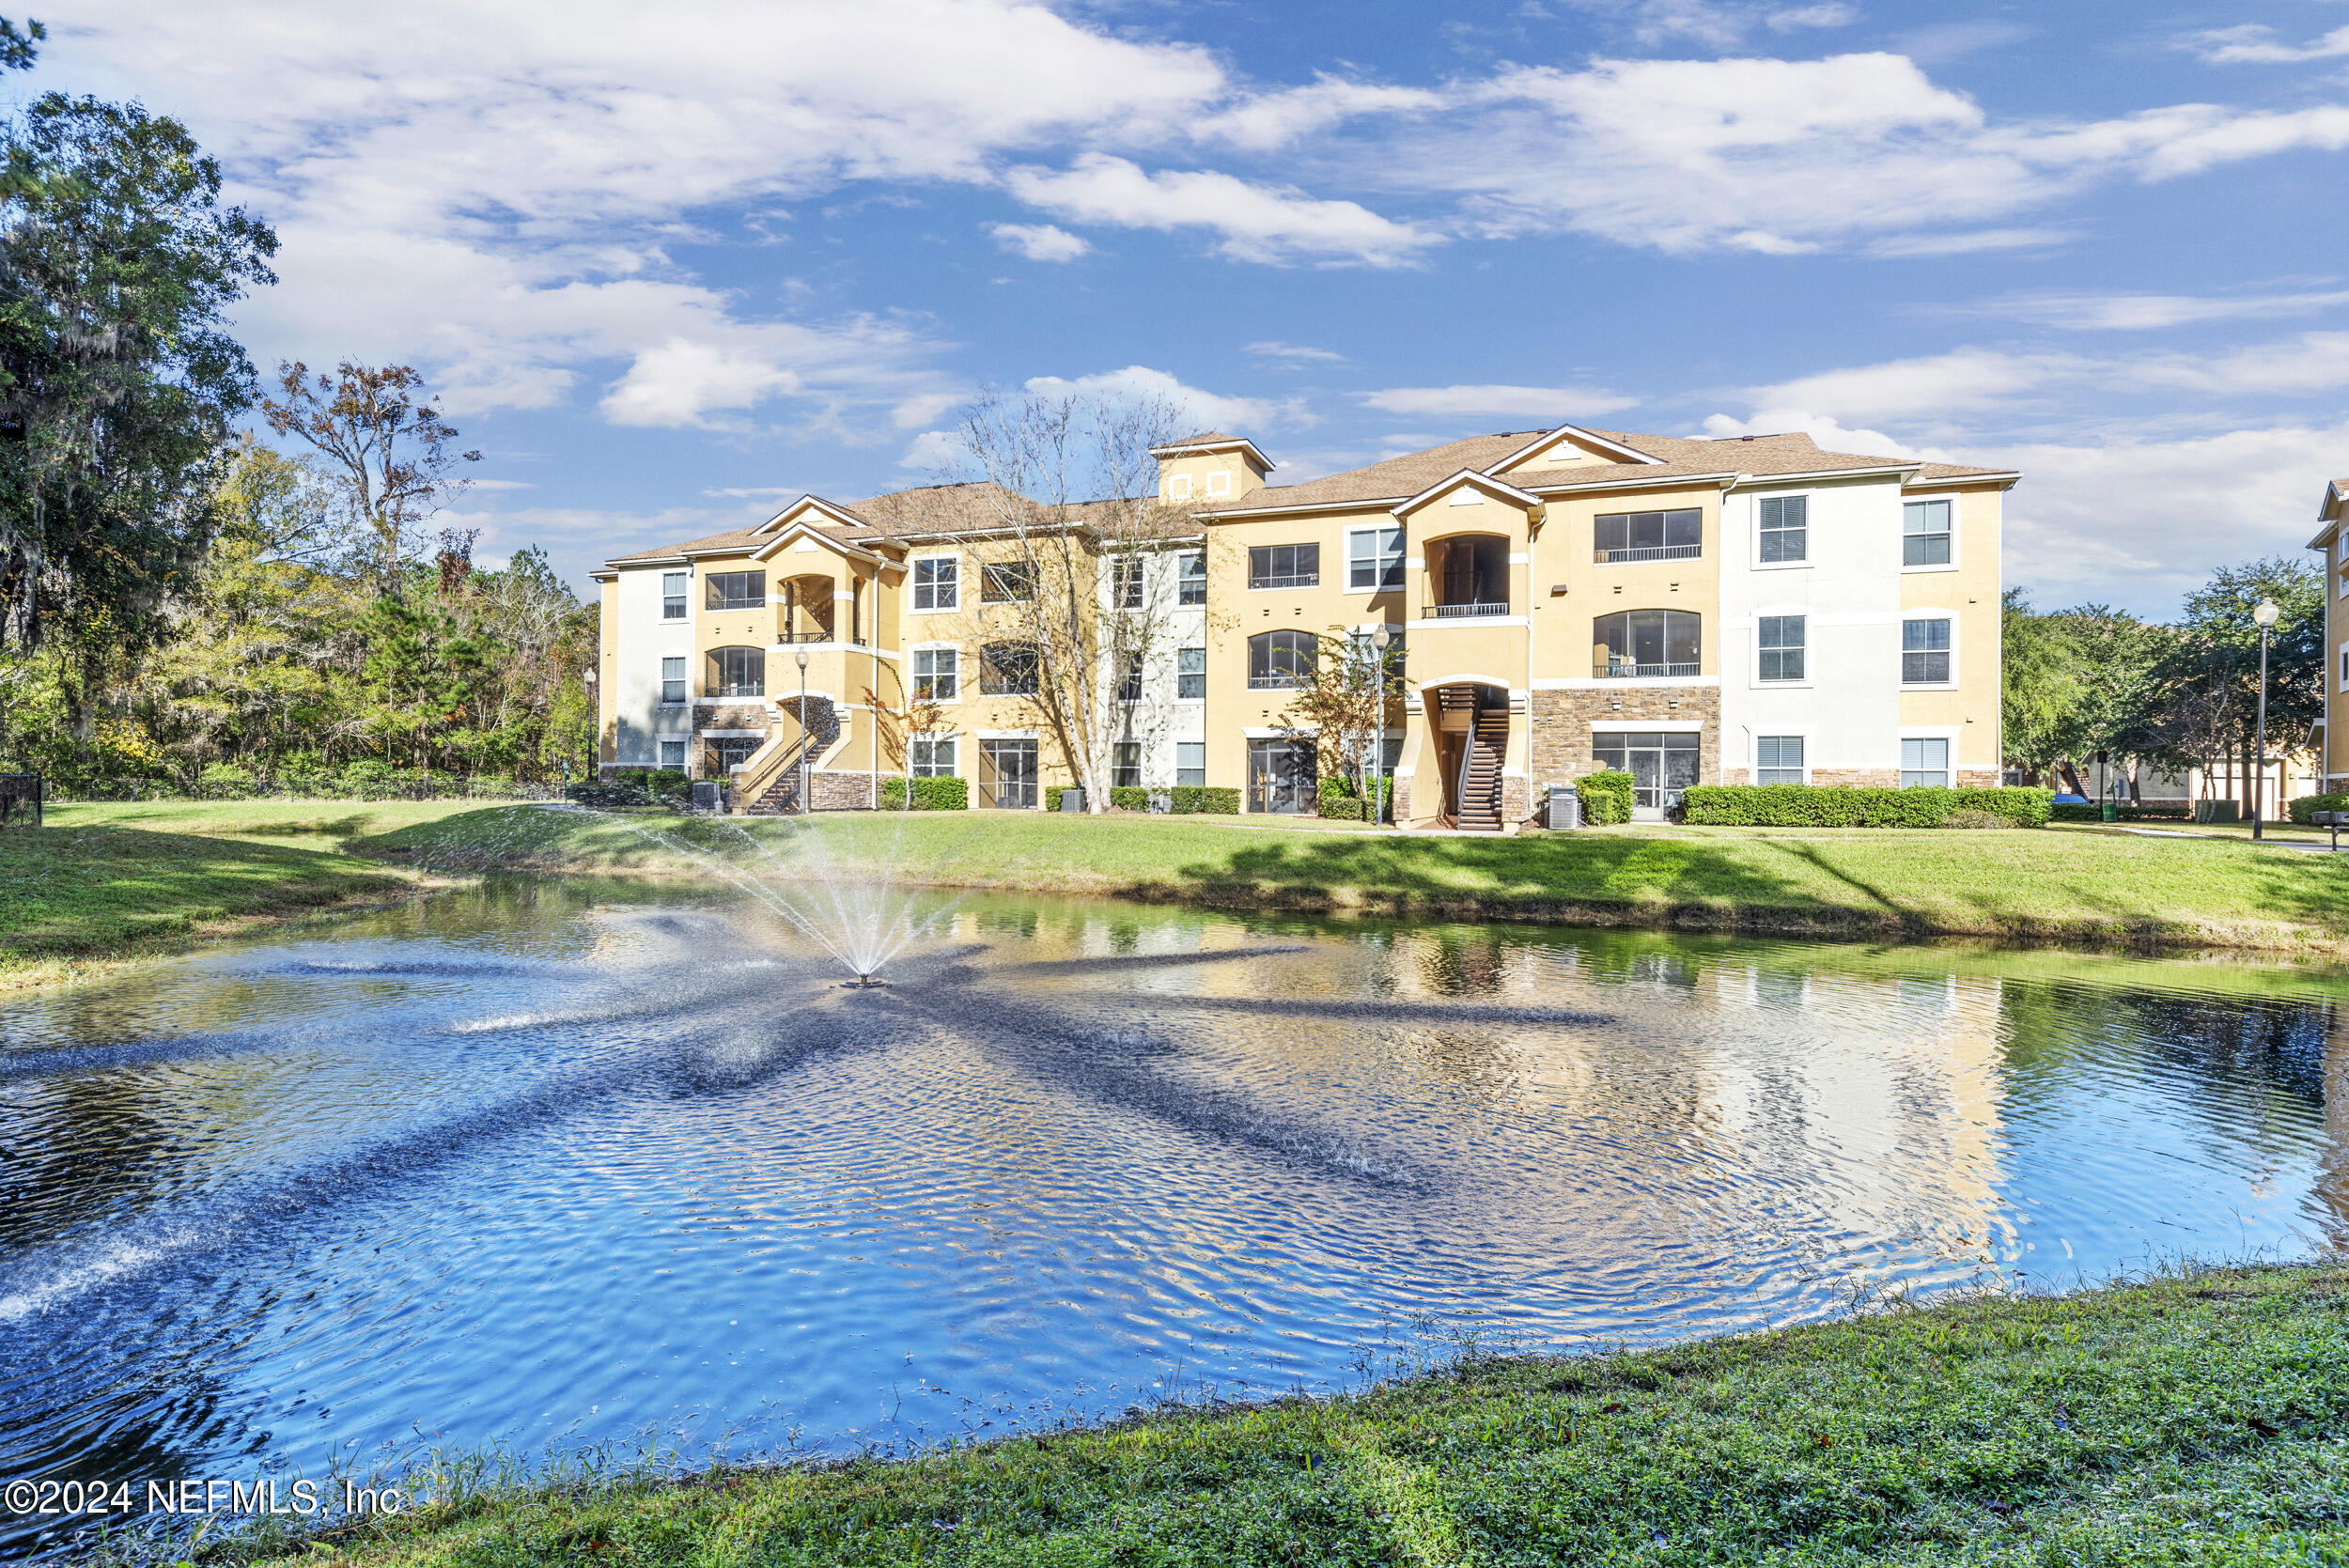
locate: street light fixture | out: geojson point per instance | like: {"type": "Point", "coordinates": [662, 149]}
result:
{"type": "Point", "coordinates": [801, 654]}
{"type": "Point", "coordinates": [2265, 615]}
{"type": "Point", "coordinates": [1379, 640]}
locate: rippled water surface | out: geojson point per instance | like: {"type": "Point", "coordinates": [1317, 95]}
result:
{"type": "Point", "coordinates": [565, 1162]}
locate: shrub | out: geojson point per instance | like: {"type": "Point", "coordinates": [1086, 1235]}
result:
{"type": "Point", "coordinates": [2094, 813]}
{"type": "Point", "coordinates": [226, 780]}
{"type": "Point", "coordinates": [1130, 796]}
{"type": "Point", "coordinates": [946, 792]}
{"type": "Point", "coordinates": [1841, 806]}
{"type": "Point", "coordinates": [2308, 806]}
{"type": "Point", "coordinates": [1606, 797]}
{"type": "Point", "coordinates": [1204, 800]}
{"type": "Point", "coordinates": [609, 794]}
{"type": "Point", "coordinates": [1053, 794]}
{"type": "Point", "coordinates": [1342, 808]}
{"type": "Point", "coordinates": [1336, 788]}
{"type": "Point", "coordinates": [1965, 816]}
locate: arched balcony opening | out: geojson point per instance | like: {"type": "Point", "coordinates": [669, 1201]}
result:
{"type": "Point", "coordinates": [807, 610]}
{"type": "Point", "coordinates": [1646, 642]}
{"type": "Point", "coordinates": [1468, 575]}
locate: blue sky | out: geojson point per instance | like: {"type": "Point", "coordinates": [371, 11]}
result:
{"type": "Point", "coordinates": [675, 264]}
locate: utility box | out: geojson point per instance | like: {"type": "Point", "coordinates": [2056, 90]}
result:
{"type": "Point", "coordinates": [1073, 799]}
{"type": "Point", "coordinates": [2218, 810]}
{"type": "Point", "coordinates": [708, 795]}
{"type": "Point", "coordinates": [1565, 806]}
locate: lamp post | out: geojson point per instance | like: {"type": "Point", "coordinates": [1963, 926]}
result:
{"type": "Point", "coordinates": [801, 654]}
{"type": "Point", "coordinates": [1379, 641]}
{"type": "Point", "coordinates": [2265, 615]}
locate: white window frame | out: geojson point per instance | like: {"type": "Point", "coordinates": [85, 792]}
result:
{"type": "Point", "coordinates": [1220, 482]}
{"type": "Point", "coordinates": [1944, 733]}
{"type": "Point", "coordinates": [955, 556]}
{"type": "Point", "coordinates": [1379, 559]}
{"type": "Point", "coordinates": [1778, 732]}
{"type": "Point", "coordinates": [933, 737]}
{"type": "Point", "coordinates": [2343, 655]}
{"type": "Point", "coordinates": [1929, 613]}
{"type": "Point", "coordinates": [684, 683]}
{"type": "Point", "coordinates": [1183, 578]}
{"type": "Point", "coordinates": [1178, 487]}
{"type": "Point", "coordinates": [1778, 612]}
{"type": "Point", "coordinates": [1201, 650]}
{"type": "Point", "coordinates": [685, 601]}
{"type": "Point", "coordinates": [954, 648]}
{"type": "Point", "coordinates": [1956, 515]}
{"type": "Point", "coordinates": [1753, 555]}
{"type": "Point", "coordinates": [684, 753]}
{"type": "Point", "coordinates": [1202, 769]}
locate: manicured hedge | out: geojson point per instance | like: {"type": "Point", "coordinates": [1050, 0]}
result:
{"type": "Point", "coordinates": [1131, 797]}
{"type": "Point", "coordinates": [1343, 808]}
{"type": "Point", "coordinates": [2093, 812]}
{"type": "Point", "coordinates": [943, 793]}
{"type": "Point", "coordinates": [1183, 800]}
{"type": "Point", "coordinates": [1606, 797]}
{"type": "Point", "coordinates": [2308, 806]}
{"type": "Point", "coordinates": [1205, 799]}
{"type": "Point", "coordinates": [1838, 806]}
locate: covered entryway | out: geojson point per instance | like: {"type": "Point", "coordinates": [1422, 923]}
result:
{"type": "Point", "coordinates": [1662, 764]}
{"type": "Point", "coordinates": [1471, 724]}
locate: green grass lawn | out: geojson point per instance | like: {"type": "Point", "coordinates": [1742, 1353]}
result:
{"type": "Point", "coordinates": [2201, 1418]}
{"type": "Point", "coordinates": [114, 881]}
{"type": "Point", "coordinates": [2060, 885]}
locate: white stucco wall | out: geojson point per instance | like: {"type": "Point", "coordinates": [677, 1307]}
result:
{"type": "Point", "coordinates": [645, 640]}
{"type": "Point", "coordinates": [1162, 720]}
{"type": "Point", "coordinates": [1848, 589]}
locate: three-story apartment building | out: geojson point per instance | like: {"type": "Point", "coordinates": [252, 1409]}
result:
{"type": "Point", "coordinates": [1743, 610]}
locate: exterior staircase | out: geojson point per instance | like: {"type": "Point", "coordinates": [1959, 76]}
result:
{"type": "Point", "coordinates": [1480, 771]}
{"type": "Point", "coordinates": [781, 796]}
{"type": "Point", "coordinates": [768, 784]}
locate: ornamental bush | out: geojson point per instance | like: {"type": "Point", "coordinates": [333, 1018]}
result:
{"type": "Point", "coordinates": [1130, 796]}
{"type": "Point", "coordinates": [1336, 788]}
{"type": "Point", "coordinates": [1343, 808]}
{"type": "Point", "coordinates": [2093, 812]}
{"type": "Point", "coordinates": [1204, 800]}
{"type": "Point", "coordinates": [2306, 806]}
{"type": "Point", "coordinates": [1606, 797]}
{"type": "Point", "coordinates": [946, 792]}
{"type": "Point", "coordinates": [1842, 806]}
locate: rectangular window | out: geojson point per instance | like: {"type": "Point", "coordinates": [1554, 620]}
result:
{"type": "Point", "coordinates": [1924, 653]}
{"type": "Point", "coordinates": [937, 583]}
{"type": "Point", "coordinates": [1284, 566]}
{"type": "Point", "coordinates": [1191, 674]}
{"type": "Point", "coordinates": [673, 599]}
{"type": "Point", "coordinates": [736, 672]}
{"type": "Point", "coordinates": [937, 675]}
{"type": "Point", "coordinates": [1783, 647]}
{"type": "Point", "coordinates": [1926, 764]}
{"type": "Point", "coordinates": [672, 755]}
{"type": "Point", "coordinates": [1785, 528]}
{"type": "Point", "coordinates": [1130, 690]}
{"type": "Point", "coordinates": [932, 756]}
{"type": "Point", "coordinates": [1126, 765]}
{"type": "Point", "coordinates": [1374, 559]}
{"type": "Point", "coordinates": [735, 590]}
{"type": "Point", "coordinates": [1925, 533]}
{"type": "Point", "coordinates": [2344, 669]}
{"type": "Point", "coordinates": [1191, 762]}
{"type": "Point", "coordinates": [1195, 588]}
{"type": "Point", "coordinates": [1218, 483]}
{"type": "Point", "coordinates": [1777, 759]}
{"type": "Point", "coordinates": [672, 680]}
{"type": "Point", "coordinates": [1126, 584]}
{"type": "Point", "coordinates": [1008, 670]}
{"type": "Point", "coordinates": [1178, 488]}
{"type": "Point", "coordinates": [1675, 535]}
{"type": "Point", "coordinates": [1006, 583]}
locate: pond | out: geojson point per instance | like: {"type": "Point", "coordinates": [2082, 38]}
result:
{"type": "Point", "coordinates": [576, 1163]}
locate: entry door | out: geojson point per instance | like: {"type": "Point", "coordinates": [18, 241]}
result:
{"type": "Point", "coordinates": [1007, 774]}
{"type": "Point", "coordinates": [1661, 765]}
{"type": "Point", "coordinates": [1281, 776]}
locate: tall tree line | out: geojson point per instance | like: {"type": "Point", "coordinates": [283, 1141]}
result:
{"type": "Point", "coordinates": [180, 601]}
{"type": "Point", "coordinates": [2181, 694]}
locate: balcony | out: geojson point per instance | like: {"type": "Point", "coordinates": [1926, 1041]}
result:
{"type": "Point", "coordinates": [816, 634]}
{"type": "Point", "coordinates": [1647, 553]}
{"type": "Point", "coordinates": [1461, 612]}
{"type": "Point", "coordinates": [1624, 669]}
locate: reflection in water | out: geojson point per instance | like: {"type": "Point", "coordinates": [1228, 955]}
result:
{"type": "Point", "coordinates": [567, 1162]}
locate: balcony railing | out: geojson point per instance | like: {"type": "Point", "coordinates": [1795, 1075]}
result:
{"type": "Point", "coordinates": [1649, 552]}
{"type": "Point", "coordinates": [1455, 611]}
{"type": "Point", "coordinates": [816, 636]}
{"type": "Point", "coordinates": [1623, 669]}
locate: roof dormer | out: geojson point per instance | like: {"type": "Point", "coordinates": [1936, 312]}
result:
{"type": "Point", "coordinates": [1213, 469]}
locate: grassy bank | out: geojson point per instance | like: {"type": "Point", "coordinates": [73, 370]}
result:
{"type": "Point", "coordinates": [2093, 887]}
{"type": "Point", "coordinates": [2199, 1417]}
{"type": "Point", "coordinates": [101, 885]}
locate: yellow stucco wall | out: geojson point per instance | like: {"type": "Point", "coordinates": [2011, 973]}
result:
{"type": "Point", "coordinates": [1970, 593]}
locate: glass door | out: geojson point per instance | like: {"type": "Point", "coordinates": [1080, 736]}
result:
{"type": "Point", "coordinates": [1281, 776]}
{"type": "Point", "coordinates": [1008, 775]}
{"type": "Point", "coordinates": [1662, 764]}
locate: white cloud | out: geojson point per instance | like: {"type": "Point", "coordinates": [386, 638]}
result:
{"type": "Point", "coordinates": [2148, 311]}
{"type": "Point", "coordinates": [1259, 222]}
{"type": "Point", "coordinates": [936, 452]}
{"type": "Point", "coordinates": [1555, 404]}
{"type": "Point", "coordinates": [1825, 429]}
{"type": "Point", "coordinates": [1934, 246]}
{"type": "Point", "coordinates": [578, 539]}
{"type": "Point", "coordinates": [1782, 157]}
{"type": "Point", "coordinates": [727, 366]}
{"type": "Point", "coordinates": [1275, 119]}
{"type": "Point", "coordinates": [1203, 409]}
{"type": "Point", "coordinates": [1291, 353]}
{"type": "Point", "coordinates": [1932, 387]}
{"type": "Point", "coordinates": [1720, 23]}
{"type": "Point", "coordinates": [1040, 241]}
{"type": "Point", "coordinates": [2255, 44]}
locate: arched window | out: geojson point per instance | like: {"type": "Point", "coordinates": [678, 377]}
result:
{"type": "Point", "coordinates": [1645, 643]}
{"type": "Point", "coordinates": [1008, 670]}
{"type": "Point", "coordinates": [736, 672]}
{"type": "Point", "coordinates": [1278, 661]}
